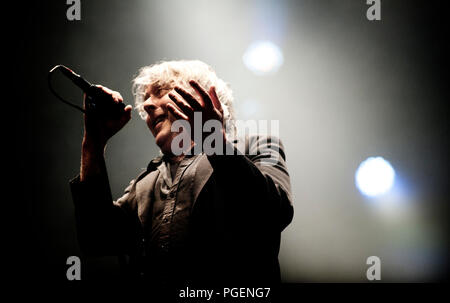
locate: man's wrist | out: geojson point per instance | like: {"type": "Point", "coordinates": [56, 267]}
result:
{"type": "Point", "coordinates": [92, 145]}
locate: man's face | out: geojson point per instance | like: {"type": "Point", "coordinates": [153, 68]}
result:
{"type": "Point", "coordinates": [159, 119]}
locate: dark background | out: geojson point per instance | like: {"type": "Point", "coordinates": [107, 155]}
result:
{"type": "Point", "coordinates": [348, 89]}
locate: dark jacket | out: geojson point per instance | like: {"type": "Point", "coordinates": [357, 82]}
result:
{"type": "Point", "coordinates": [242, 204]}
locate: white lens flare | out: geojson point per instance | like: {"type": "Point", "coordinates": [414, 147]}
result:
{"type": "Point", "coordinates": [374, 176]}
{"type": "Point", "coordinates": [263, 57]}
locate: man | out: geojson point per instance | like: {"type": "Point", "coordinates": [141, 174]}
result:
{"type": "Point", "coordinates": [190, 217]}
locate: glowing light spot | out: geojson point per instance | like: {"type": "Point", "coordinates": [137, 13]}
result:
{"type": "Point", "coordinates": [263, 57]}
{"type": "Point", "coordinates": [374, 176]}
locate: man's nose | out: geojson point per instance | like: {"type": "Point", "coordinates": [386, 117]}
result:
{"type": "Point", "coordinates": [149, 106]}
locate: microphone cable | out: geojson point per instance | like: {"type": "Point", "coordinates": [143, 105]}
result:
{"type": "Point", "coordinates": [49, 79]}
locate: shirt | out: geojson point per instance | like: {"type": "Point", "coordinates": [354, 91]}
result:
{"type": "Point", "coordinates": [172, 198]}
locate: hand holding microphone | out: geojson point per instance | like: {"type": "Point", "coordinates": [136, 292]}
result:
{"type": "Point", "coordinates": [99, 127]}
{"type": "Point", "coordinates": [104, 111]}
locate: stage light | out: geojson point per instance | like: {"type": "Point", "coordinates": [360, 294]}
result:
{"type": "Point", "coordinates": [374, 176]}
{"type": "Point", "coordinates": [263, 57]}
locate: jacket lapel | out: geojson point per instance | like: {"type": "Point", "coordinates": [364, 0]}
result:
{"type": "Point", "coordinates": [203, 172]}
{"type": "Point", "coordinates": [143, 190]}
{"type": "Point", "coordinates": [144, 193]}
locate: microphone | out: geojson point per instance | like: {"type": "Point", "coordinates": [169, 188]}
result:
{"type": "Point", "coordinates": [97, 101]}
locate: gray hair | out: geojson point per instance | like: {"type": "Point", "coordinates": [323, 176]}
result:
{"type": "Point", "coordinates": [165, 75]}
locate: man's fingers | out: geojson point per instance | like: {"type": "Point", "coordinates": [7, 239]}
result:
{"type": "Point", "coordinates": [183, 105]}
{"type": "Point", "coordinates": [206, 99]}
{"type": "Point", "coordinates": [126, 116]}
{"type": "Point", "coordinates": [215, 99]}
{"type": "Point", "coordinates": [176, 112]}
{"type": "Point", "coordinates": [127, 109]}
{"type": "Point", "coordinates": [116, 96]}
{"type": "Point", "coordinates": [191, 100]}
{"type": "Point", "coordinates": [105, 89]}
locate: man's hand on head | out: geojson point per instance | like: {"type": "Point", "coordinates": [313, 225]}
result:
{"type": "Point", "coordinates": [186, 104]}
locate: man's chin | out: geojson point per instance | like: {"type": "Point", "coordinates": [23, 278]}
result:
{"type": "Point", "coordinates": [160, 139]}
{"type": "Point", "coordinates": [163, 140]}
